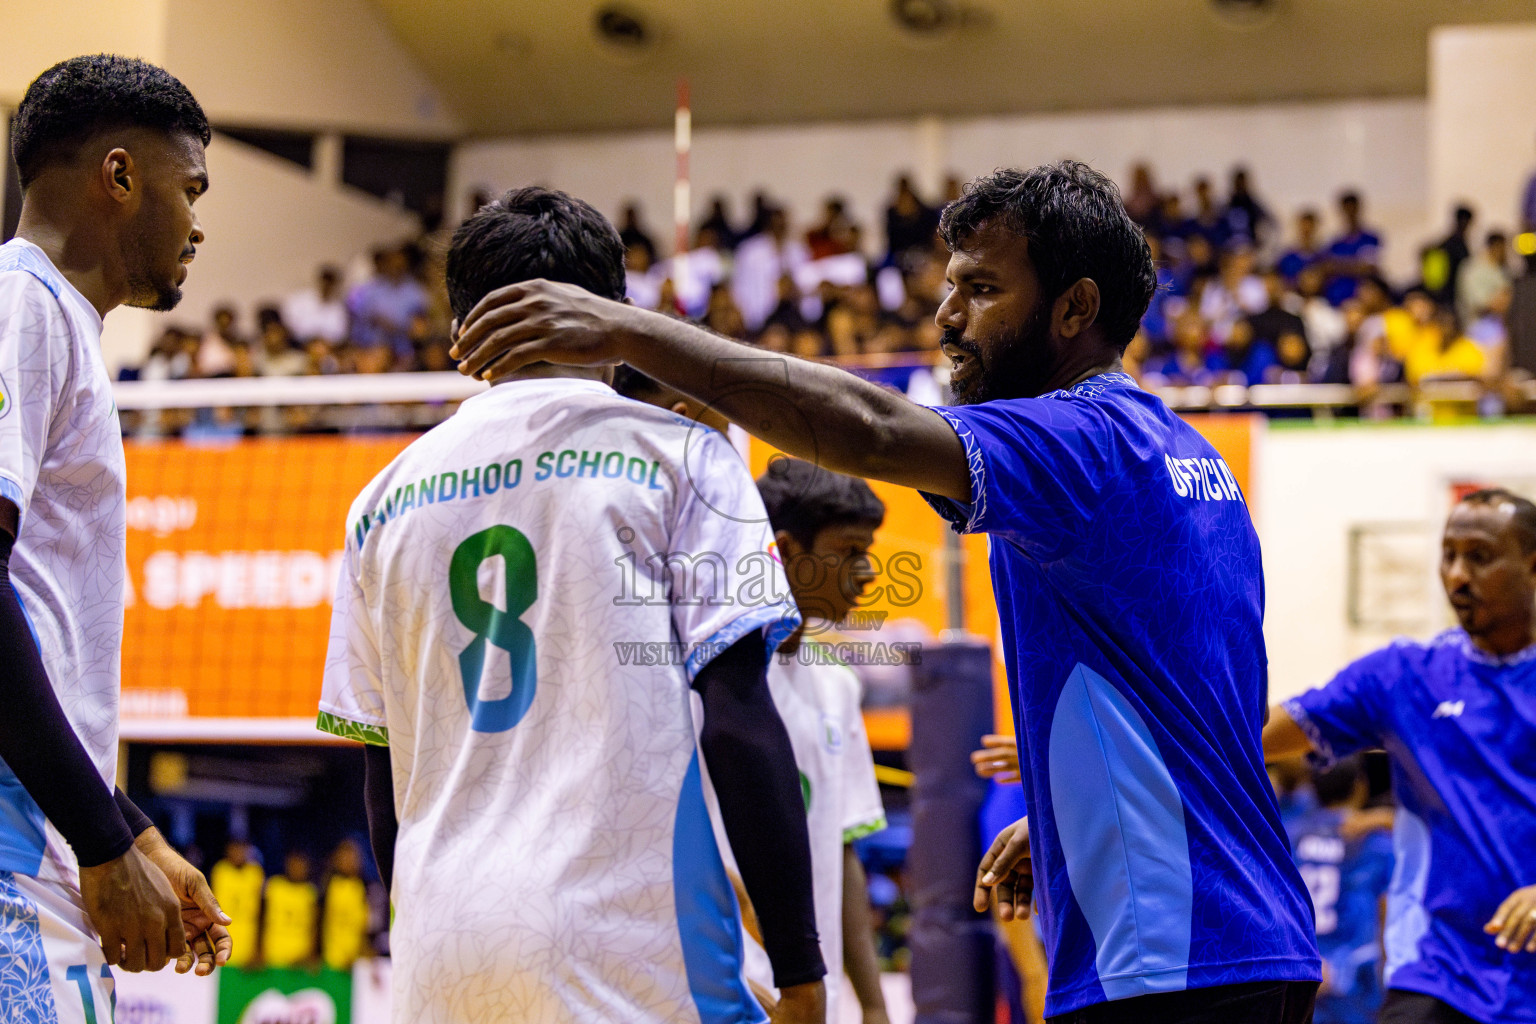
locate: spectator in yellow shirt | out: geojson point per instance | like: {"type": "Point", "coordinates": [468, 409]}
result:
{"type": "Point", "coordinates": [344, 921]}
{"type": "Point", "coordinates": [237, 882]}
{"type": "Point", "coordinates": [289, 924]}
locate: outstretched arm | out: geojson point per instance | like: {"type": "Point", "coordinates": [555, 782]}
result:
{"type": "Point", "coordinates": [1282, 737]}
{"type": "Point", "coordinates": [807, 409]}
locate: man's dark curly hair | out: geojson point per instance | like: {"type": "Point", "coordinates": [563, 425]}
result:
{"type": "Point", "coordinates": [1076, 226]}
{"type": "Point", "coordinates": [81, 97]}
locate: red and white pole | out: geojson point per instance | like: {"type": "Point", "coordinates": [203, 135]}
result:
{"type": "Point", "coordinates": [682, 138]}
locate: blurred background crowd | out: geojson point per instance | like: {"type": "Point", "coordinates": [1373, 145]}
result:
{"type": "Point", "coordinates": [1246, 295]}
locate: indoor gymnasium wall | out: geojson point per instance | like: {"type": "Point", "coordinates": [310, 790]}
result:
{"type": "Point", "coordinates": [269, 223]}
{"type": "Point", "coordinates": [1350, 518]}
{"type": "Point", "coordinates": [36, 36]}
{"type": "Point", "coordinates": [303, 65]}
{"type": "Point", "coordinates": [1482, 118]}
{"type": "Point", "coordinates": [1299, 154]}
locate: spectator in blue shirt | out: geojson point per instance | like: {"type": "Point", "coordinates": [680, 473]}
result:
{"type": "Point", "coordinates": [389, 309]}
{"type": "Point", "coordinates": [1127, 575]}
{"type": "Point", "coordinates": [1354, 254]}
{"type": "Point", "coordinates": [1457, 716]}
{"type": "Point", "coordinates": [1346, 871]}
{"type": "Point", "coordinates": [1305, 251]}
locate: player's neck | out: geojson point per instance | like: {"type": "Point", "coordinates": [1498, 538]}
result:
{"type": "Point", "coordinates": [1509, 639]}
{"type": "Point", "coordinates": [552, 371]}
{"type": "Point", "coordinates": [77, 251]}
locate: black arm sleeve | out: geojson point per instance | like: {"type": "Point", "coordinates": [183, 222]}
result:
{"type": "Point", "coordinates": [752, 766]}
{"type": "Point", "coordinates": [138, 821]}
{"type": "Point", "coordinates": [40, 746]}
{"type": "Point", "coordinates": [379, 801]}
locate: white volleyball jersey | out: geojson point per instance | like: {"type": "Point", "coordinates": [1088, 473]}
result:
{"type": "Point", "coordinates": [527, 592]}
{"type": "Point", "coordinates": [819, 698]}
{"type": "Point", "coordinates": [62, 466]}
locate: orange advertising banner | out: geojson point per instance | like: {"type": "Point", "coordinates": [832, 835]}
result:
{"type": "Point", "coordinates": [232, 562]}
{"type": "Point", "coordinates": [233, 553]}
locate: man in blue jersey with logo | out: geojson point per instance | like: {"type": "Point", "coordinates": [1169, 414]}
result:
{"type": "Point", "coordinates": [1346, 871]}
{"type": "Point", "coordinates": [1457, 716]}
{"type": "Point", "coordinates": [1127, 575]}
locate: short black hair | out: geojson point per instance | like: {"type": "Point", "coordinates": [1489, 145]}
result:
{"type": "Point", "coordinates": [1336, 783]}
{"type": "Point", "coordinates": [631, 383]}
{"type": "Point", "coordinates": [1524, 518]}
{"type": "Point", "coordinates": [803, 499]}
{"type": "Point", "coordinates": [1076, 226]}
{"type": "Point", "coordinates": [533, 233]}
{"type": "Point", "coordinates": [84, 96]}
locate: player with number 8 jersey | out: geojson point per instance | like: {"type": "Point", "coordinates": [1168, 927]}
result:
{"type": "Point", "coordinates": [528, 594]}
{"type": "Point", "coordinates": [499, 578]}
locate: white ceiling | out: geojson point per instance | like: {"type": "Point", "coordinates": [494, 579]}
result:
{"type": "Point", "coordinates": [511, 66]}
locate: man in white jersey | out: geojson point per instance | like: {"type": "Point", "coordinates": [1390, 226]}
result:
{"type": "Point", "coordinates": [824, 524]}
{"type": "Point", "coordinates": [528, 593]}
{"type": "Point", "coordinates": [110, 155]}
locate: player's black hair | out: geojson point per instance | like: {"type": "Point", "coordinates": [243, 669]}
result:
{"type": "Point", "coordinates": [531, 233]}
{"type": "Point", "coordinates": [631, 383]}
{"type": "Point", "coordinates": [1076, 226]}
{"type": "Point", "coordinates": [803, 499]}
{"type": "Point", "coordinates": [1335, 784]}
{"type": "Point", "coordinates": [1524, 519]}
{"type": "Point", "coordinates": [84, 96]}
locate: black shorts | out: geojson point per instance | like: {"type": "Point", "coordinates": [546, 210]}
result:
{"type": "Point", "coordinates": [1262, 1002]}
{"type": "Point", "coordinates": [1404, 1007]}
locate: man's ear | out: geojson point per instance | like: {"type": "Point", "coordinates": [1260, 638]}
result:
{"type": "Point", "coordinates": [1077, 308]}
{"type": "Point", "coordinates": [119, 175]}
{"type": "Point", "coordinates": [788, 547]}
{"type": "Point", "coordinates": [628, 301]}
{"type": "Point", "coordinates": [680, 407]}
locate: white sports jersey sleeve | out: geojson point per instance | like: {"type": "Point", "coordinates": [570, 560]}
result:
{"type": "Point", "coordinates": [863, 810]}
{"type": "Point", "coordinates": [352, 691]}
{"type": "Point", "coordinates": [718, 553]}
{"type": "Point", "coordinates": [62, 466]}
{"type": "Point", "coordinates": [33, 338]}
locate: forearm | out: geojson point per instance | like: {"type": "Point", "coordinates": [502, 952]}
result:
{"type": "Point", "coordinates": [752, 766]}
{"type": "Point", "coordinates": [379, 803]}
{"type": "Point", "coordinates": [859, 958]}
{"type": "Point", "coordinates": [807, 409]}
{"type": "Point", "coordinates": [137, 821]}
{"type": "Point", "coordinates": [40, 746]}
{"type": "Point", "coordinates": [1282, 737]}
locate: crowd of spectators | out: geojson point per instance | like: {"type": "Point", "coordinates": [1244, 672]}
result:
{"type": "Point", "coordinates": [1241, 300]}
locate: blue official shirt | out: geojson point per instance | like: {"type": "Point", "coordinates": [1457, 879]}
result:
{"type": "Point", "coordinates": [1460, 728]}
{"type": "Point", "coordinates": [1347, 879]}
{"type": "Point", "coordinates": [1131, 599]}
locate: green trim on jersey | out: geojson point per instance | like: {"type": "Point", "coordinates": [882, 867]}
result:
{"type": "Point", "coordinates": [362, 732]}
{"type": "Point", "coordinates": [869, 828]}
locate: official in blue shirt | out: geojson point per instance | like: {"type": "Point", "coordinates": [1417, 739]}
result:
{"type": "Point", "coordinates": [1127, 575]}
{"type": "Point", "coordinates": [1457, 716]}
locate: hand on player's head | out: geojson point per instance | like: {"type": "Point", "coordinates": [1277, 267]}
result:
{"type": "Point", "coordinates": [539, 321]}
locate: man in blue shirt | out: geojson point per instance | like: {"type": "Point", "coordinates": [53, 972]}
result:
{"type": "Point", "coordinates": [1127, 576]}
{"type": "Point", "coordinates": [1346, 871]}
{"type": "Point", "coordinates": [1457, 715]}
